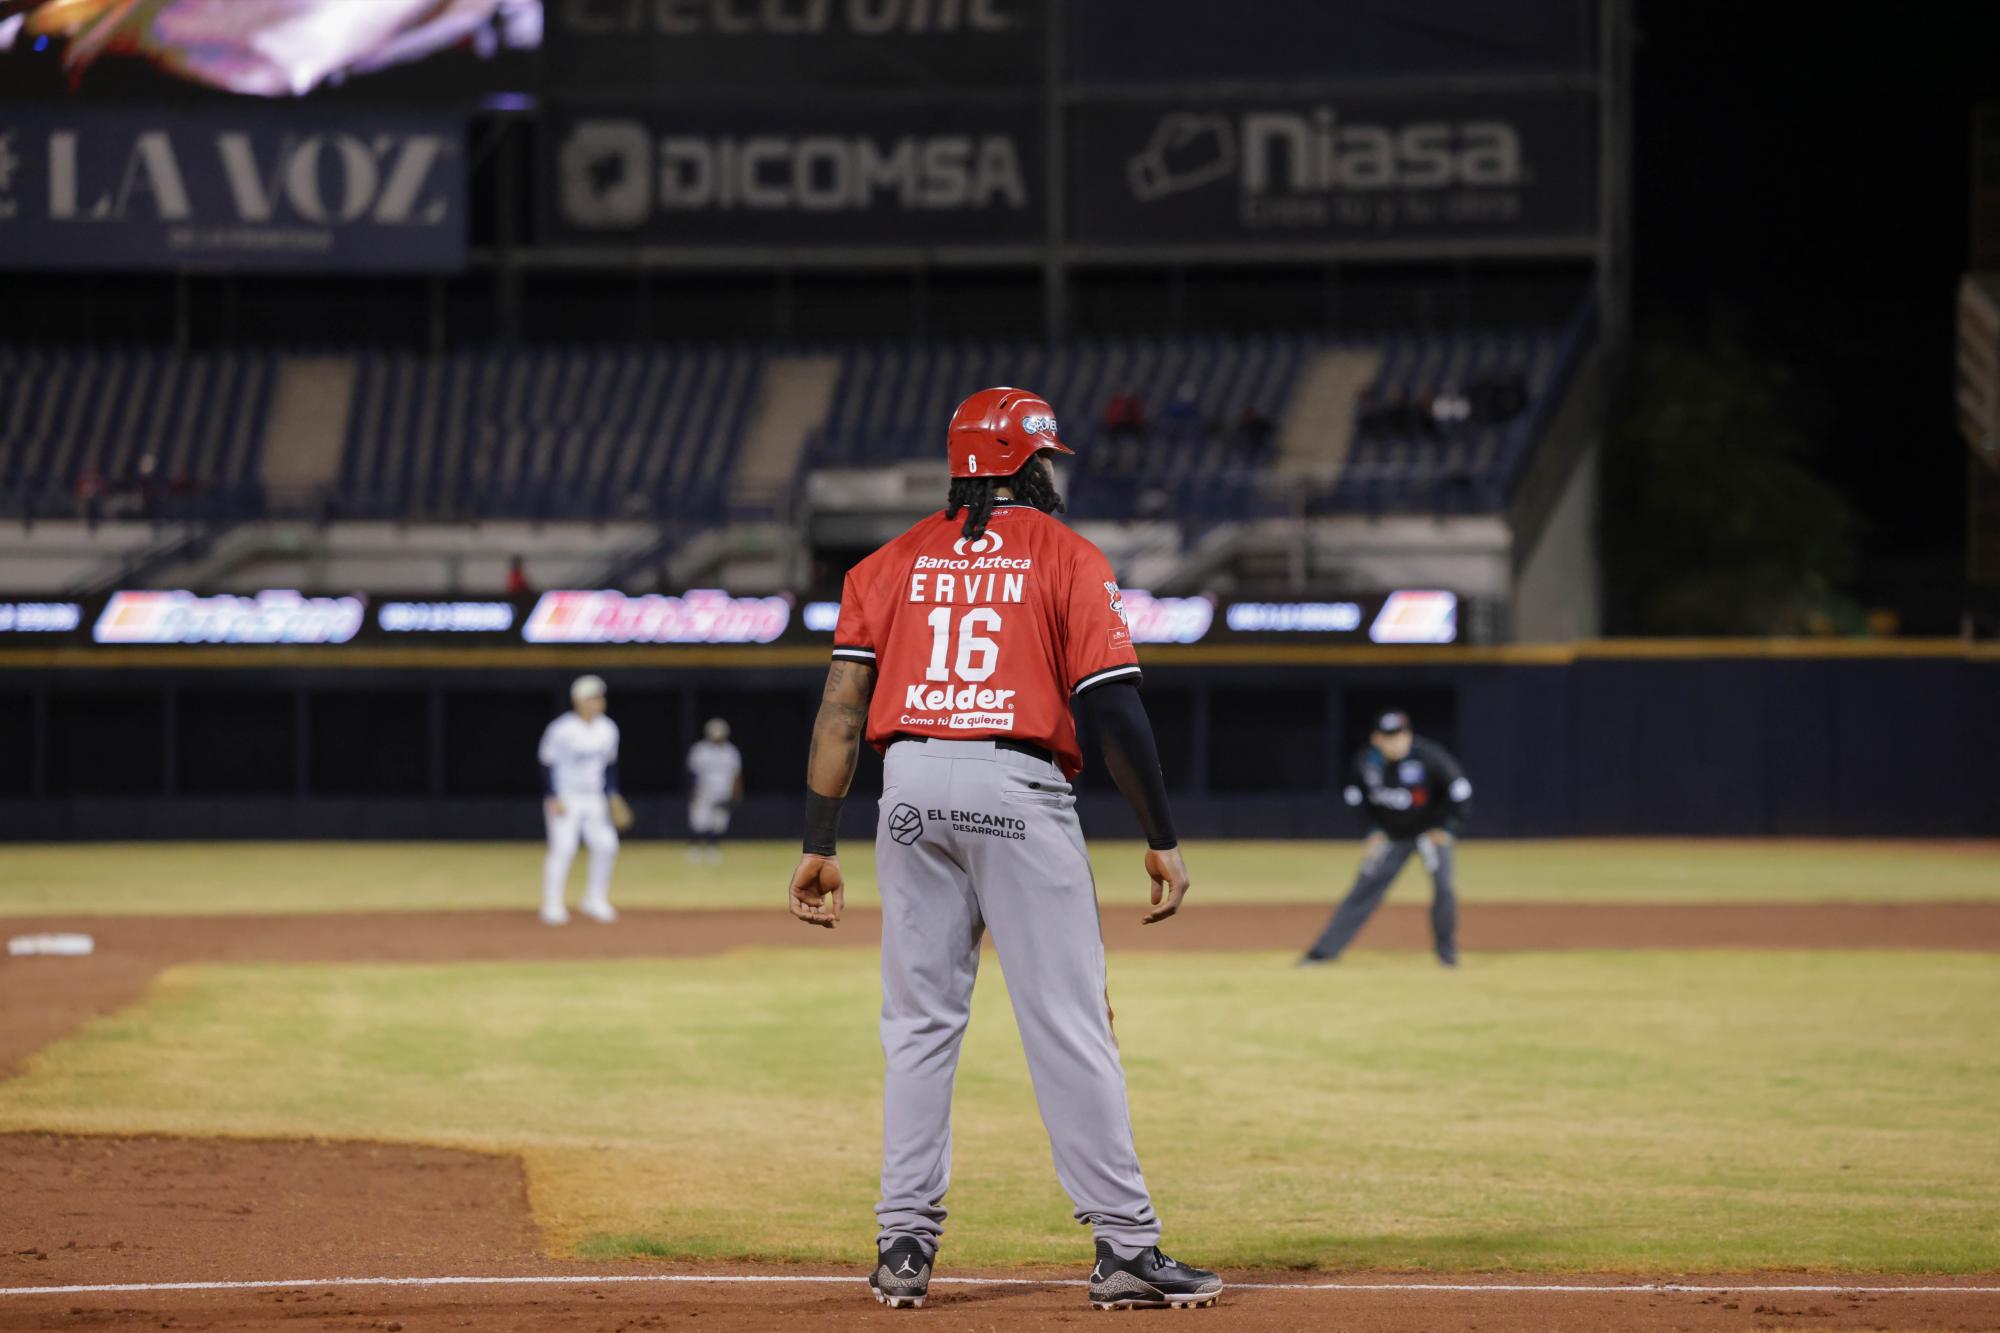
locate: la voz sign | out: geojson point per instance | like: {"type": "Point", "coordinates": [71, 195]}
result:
{"type": "Point", "coordinates": [91, 188]}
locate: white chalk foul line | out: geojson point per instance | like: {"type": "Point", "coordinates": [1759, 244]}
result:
{"type": "Point", "coordinates": [582, 1280]}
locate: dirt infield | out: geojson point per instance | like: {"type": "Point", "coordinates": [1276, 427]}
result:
{"type": "Point", "coordinates": [94, 1211]}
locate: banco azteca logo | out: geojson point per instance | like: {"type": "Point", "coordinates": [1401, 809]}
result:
{"type": "Point", "coordinates": [905, 824]}
{"type": "Point", "coordinates": [986, 544]}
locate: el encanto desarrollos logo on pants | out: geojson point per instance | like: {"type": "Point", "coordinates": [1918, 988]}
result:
{"type": "Point", "coordinates": [905, 824]}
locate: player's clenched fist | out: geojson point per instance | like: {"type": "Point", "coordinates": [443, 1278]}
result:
{"type": "Point", "coordinates": [1170, 883]}
{"type": "Point", "coordinates": [818, 891]}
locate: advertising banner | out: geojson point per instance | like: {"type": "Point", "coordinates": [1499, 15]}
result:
{"type": "Point", "coordinates": [654, 48]}
{"type": "Point", "coordinates": [294, 190]}
{"type": "Point", "coordinates": [705, 615]}
{"type": "Point", "coordinates": [1389, 166]}
{"type": "Point", "coordinates": [274, 616]}
{"type": "Point", "coordinates": [608, 618]}
{"type": "Point", "coordinates": [839, 173]}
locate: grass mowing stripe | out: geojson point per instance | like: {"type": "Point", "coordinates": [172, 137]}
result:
{"type": "Point", "coordinates": [176, 878]}
{"type": "Point", "coordinates": [1538, 1112]}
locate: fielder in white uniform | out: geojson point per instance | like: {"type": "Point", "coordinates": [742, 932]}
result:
{"type": "Point", "coordinates": [716, 768]}
{"type": "Point", "coordinates": [579, 754]}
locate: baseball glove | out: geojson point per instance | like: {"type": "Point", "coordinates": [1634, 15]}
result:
{"type": "Point", "coordinates": [621, 813]}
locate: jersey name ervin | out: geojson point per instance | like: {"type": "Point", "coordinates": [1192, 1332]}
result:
{"type": "Point", "coordinates": [970, 589]}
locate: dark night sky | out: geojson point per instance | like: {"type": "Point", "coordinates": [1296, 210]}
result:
{"type": "Point", "coordinates": [1809, 165]}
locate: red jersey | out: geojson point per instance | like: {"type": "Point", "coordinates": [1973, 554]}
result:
{"type": "Point", "coordinates": [987, 638]}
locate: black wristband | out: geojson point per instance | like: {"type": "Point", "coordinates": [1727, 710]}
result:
{"type": "Point", "coordinates": [822, 822]}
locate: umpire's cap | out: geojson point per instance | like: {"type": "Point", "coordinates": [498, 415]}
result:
{"type": "Point", "coordinates": [1391, 722]}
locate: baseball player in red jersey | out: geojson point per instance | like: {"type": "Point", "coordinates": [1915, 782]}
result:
{"type": "Point", "coordinates": [960, 650]}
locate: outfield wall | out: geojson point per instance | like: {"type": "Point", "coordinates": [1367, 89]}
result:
{"type": "Point", "coordinates": [1669, 739]}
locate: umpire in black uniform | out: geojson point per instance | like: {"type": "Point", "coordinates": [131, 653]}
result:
{"type": "Point", "coordinates": [1415, 794]}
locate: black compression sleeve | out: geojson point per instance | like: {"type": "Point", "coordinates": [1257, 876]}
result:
{"type": "Point", "coordinates": [822, 823]}
{"type": "Point", "coordinates": [1125, 734]}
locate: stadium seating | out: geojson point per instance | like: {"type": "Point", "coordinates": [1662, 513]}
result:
{"type": "Point", "coordinates": [67, 414]}
{"type": "Point", "coordinates": [600, 432]}
{"type": "Point", "coordinates": [650, 431]}
{"type": "Point", "coordinates": [1193, 459]}
{"type": "Point", "coordinates": [893, 398]}
{"type": "Point", "coordinates": [1429, 462]}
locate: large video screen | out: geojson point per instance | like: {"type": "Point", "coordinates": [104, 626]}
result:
{"type": "Point", "coordinates": [427, 52]}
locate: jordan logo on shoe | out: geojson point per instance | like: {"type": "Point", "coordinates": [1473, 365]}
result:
{"type": "Point", "coordinates": [1097, 1273]}
{"type": "Point", "coordinates": [906, 1270]}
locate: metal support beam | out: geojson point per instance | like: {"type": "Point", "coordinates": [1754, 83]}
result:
{"type": "Point", "coordinates": [1614, 181]}
{"type": "Point", "coordinates": [38, 776]}
{"type": "Point", "coordinates": [507, 251]}
{"type": "Point", "coordinates": [170, 732]}
{"type": "Point", "coordinates": [1055, 273]}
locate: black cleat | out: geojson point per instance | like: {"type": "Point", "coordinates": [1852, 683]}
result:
{"type": "Point", "coordinates": [1314, 960]}
{"type": "Point", "coordinates": [902, 1276]}
{"type": "Point", "coordinates": [1150, 1282]}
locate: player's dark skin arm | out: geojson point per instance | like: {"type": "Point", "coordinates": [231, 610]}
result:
{"type": "Point", "coordinates": [818, 891]}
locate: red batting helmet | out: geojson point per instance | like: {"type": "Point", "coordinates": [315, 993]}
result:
{"type": "Point", "coordinates": [996, 431]}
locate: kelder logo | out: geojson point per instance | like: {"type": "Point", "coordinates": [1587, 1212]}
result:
{"type": "Point", "coordinates": [905, 824]}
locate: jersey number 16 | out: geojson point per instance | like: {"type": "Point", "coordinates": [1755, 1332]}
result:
{"type": "Point", "coordinates": [977, 654]}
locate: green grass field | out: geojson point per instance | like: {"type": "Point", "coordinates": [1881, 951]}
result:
{"type": "Point", "coordinates": [128, 879]}
{"type": "Point", "coordinates": [1629, 1111]}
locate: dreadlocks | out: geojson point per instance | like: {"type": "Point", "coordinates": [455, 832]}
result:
{"type": "Point", "coordinates": [1033, 485]}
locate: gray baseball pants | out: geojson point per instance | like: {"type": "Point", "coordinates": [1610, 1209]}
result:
{"type": "Point", "coordinates": [971, 839]}
{"type": "Point", "coordinates": [1371, 885]}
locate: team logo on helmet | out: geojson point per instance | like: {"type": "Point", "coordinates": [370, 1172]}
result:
{"type": "Point", "coordinates": [1039, 425]}
{"type": "Point", "coordinates": [986, 544]}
